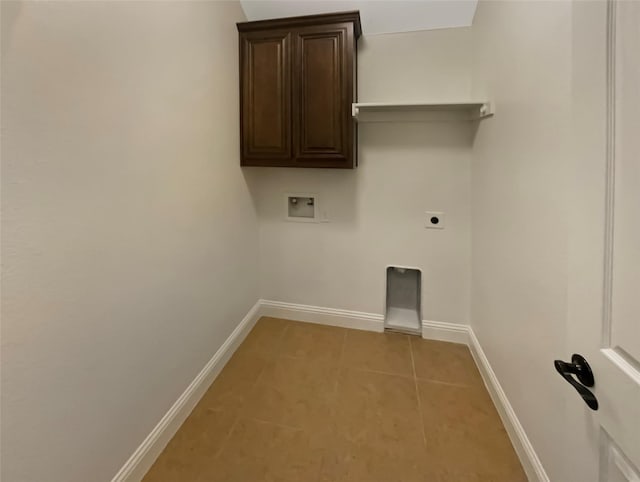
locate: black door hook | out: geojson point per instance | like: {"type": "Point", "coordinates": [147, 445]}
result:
{"type": "Point", "coordinates": [581, 369]}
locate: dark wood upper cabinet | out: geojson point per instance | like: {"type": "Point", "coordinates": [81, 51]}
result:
{"type": "Point", "coordinates": [298, 81]}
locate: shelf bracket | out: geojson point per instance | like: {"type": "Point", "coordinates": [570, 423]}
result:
{"type": "Point", "coordinates": [355, 111]}
{"type": "Point", "coordinates": [486, 110]}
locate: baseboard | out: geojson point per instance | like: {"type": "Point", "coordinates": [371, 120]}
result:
{"type": "Point", "coordinates": [432, 330]}
{"type": "Point", "coordinates": [356, 320]}
{"type": "Point", "coordinates": [441, 331]}
{"type": "Point", "coordinates": [145, 455]}
{"type": "Point", "coordinates": [528, 457]}
{"type": "Point", "coordinates": [451, 332]}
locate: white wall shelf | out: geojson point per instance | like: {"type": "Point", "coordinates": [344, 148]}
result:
{"type": "Point", "coordinates": [420, 111]}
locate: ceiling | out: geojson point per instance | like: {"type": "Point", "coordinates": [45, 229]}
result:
{"type": "Point", "coordinates": [377, 16]}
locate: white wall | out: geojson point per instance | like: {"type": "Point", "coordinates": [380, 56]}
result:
{"type": "Point", "coordinates": [129, 238]}
{"type": "Point", "coordinates": [376, 211]}
{"type": "Point", "coordinates": [377, 16]}
{"type": "Point", "coordinates": [522, 62]}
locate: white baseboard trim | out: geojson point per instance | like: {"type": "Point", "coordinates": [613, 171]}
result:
{"type": "Point", "coordinates": [528, 457]}
{"type": "Point", "coordinates": [441, 331]}
{"type": "Point", "coordinates": [356, 320]}
{"type": "Point", "coordinates": [456, 333]}
{"type": "Point", "coordinates": [145, 455]}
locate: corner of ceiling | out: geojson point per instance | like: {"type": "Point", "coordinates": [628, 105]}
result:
{"type": "Point", "coordinates": [378, 17]}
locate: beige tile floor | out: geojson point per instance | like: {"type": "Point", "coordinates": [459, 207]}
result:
{"type": "Point", "coordinates": [300, 402]}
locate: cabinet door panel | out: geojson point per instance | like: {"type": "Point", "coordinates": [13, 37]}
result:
{"type": "Point", "coordinates": [266, 98]}
{"type": "Point", "coordinates": [323, 92]}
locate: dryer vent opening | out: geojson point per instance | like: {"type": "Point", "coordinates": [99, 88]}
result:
{"type": "Point", "coordinates": [403, 311]}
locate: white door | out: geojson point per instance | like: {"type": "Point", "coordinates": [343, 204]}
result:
{"type": "Point", "coordinates": [604, 249]}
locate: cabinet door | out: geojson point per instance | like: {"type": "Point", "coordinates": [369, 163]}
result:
{"type": "Point", "coordinates": [265, 76]}
{"type": "Point", "coordinates": [323, 90]}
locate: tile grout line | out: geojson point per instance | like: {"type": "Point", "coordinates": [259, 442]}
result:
{"type": "Point", "coordinates": [335, 391]}
{"type": "Point", "coordinates": [226, 438]}
{"type": "Point", "coordinates": [263, 369]}
{"type": "Point", "coordinates": [335, 401]}
{"type": "Point", "coordinates": [242, 414]}
{"type": "Point", "coordinates": [368, 370]}
{"type": "Point", "coordinates": [340, 358]}
{"type": "Point", "coordinates": [343, 347]}
{"type": "Point", "coordinates": [275, 424]}
{"type": "Point", "coordinates": [449, 384]}
{"type": "Point", "coordinates": [273, 355]}
{"type": "Point", "coordinates": [415, 383]}
{"type": "Point", "coordinates": [253, 385]}
{"type": "Point", "coordinates": [378, 372]}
